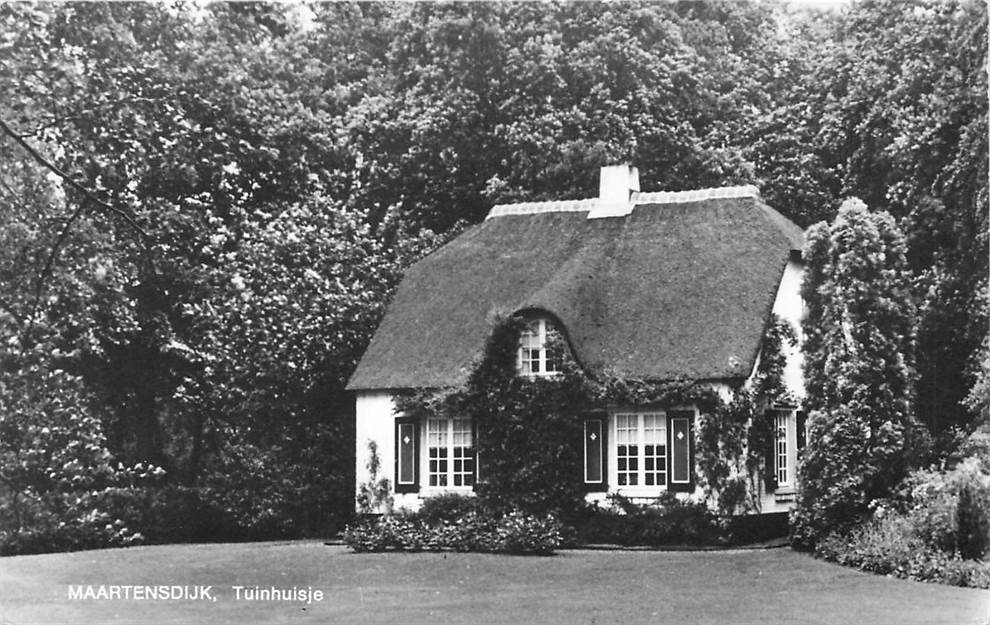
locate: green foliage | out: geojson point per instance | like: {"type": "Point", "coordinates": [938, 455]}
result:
{"type": "Point", "coordinates": [254, 143]}
{"type": "Point", "coordinates": [530, 431]}
{"type": "Point", "coordinates": [973, 523]}
{"type": "Point", "coordinates": [859, 331]}
{"type": "Point", "coordinates": [447, 508]}
{"type": "Point", "coordinates": [888, 547]}
{"type": "Point", "coordinates": [950, 509]}
{"type": "Point", "coordinates": [732, 437]}
{"type": "Point", "coordinates": [665, 521]}
{"type": "Point", "coordinates": [56, 474]}
{"type": "Point", "coordinates": [374, 495]}
{"type": "Point", "coordinates": [513, 532]}
{"type": "Point", "coordinates": [937, 530]}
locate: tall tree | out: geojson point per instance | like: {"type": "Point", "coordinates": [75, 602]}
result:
{"type": "Point", "coordinates": [859, 349]}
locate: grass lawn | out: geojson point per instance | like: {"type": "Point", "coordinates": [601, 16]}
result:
{"type": "Point", "coordinates": [755, 586]}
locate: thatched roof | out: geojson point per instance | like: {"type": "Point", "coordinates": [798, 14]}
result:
{"type": "Point", "coordinates": [682, 286]}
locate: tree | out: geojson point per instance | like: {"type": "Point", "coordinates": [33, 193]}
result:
{"type": "Point", "coordinates": [859, 357]}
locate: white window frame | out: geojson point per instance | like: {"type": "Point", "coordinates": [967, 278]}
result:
{"type": "Point", "coordinates": [445, 481]}
{"type": "Point", "coordinates": [614, 459]}
{"type": "Point", "coordinates": [540, 328]}
{"type": "Point", "coordinates": [785, 448]}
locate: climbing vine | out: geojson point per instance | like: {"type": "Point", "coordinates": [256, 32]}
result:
{"type": "Point", "coordinates": [732, 438]}
{"type": "Point", "coordinates": [530, 432]}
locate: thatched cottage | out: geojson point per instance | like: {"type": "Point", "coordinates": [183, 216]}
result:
{"type": "Point", "coordinates": [647, 285]}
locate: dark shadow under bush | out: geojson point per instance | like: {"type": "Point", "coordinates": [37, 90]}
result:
{"type": "Point", "coordinates": [667, 521]}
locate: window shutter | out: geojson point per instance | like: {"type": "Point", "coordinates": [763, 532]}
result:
{"type": "Point", "coordinates": [680, 476]}
{"type": "Point", "coordinates": [406, 456]}
{"type": "Point", "coordinates": [770, 465]}
{"type": "Point", "coordinates": [594, 454]}
{"type": "Point", "coordinates": [802, 435]}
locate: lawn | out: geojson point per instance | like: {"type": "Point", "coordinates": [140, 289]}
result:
{"type": "Point", "coordinates": [745, 586]}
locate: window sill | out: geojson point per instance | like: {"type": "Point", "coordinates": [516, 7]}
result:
{"type": "Point", "coordinates": [639, 491]}
{"type": "Point", "coordinates": [433, 491]}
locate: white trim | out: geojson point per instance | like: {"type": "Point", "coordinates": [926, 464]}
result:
{"type": "Point", "coordinates": [640, 487]}
{"type": "Point", "coordinates": [594, 206]}
{"type": "Point", "coordinates": [540, 327]}
{"type": "Point", "coordinates": [446, 438]}
{"type": "Point", "coordinates": [789, 419]}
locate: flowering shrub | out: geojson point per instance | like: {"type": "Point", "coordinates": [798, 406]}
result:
{"type": "Point", "coordinates": [939, 535]}
{"type": "Point", "coordinates": [942, 500]}
{"type": "Point", "coordinates": [448, 507]}
{"type": "Point", "coordinates": [889, 546]}
{"type": "Point", "coordinates": [513, 532]}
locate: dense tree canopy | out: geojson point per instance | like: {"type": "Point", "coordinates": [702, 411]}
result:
{"type": "Point", "coordinates": [249, 180]}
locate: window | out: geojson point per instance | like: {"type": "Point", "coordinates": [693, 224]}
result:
{"type": "Point", "coordinates": [450, 452]}
{"type": "Point", "coordinates": [781, 447]}
{"type": "Point", "coordinates": [641, 449]}
{"type": "Point", "coordinates": [533, 356]}
{"type": "Point", "coordinates": [789, 435]}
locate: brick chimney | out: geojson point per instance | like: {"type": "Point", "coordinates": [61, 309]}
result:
{"type": "Point", "coordinates": [615, 186]}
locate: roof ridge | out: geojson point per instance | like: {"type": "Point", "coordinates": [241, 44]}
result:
{"type": "Point", "coordinates": [532, 208]}
{"type": "Point", "coordinates": [654, 197]}
{"type": "Point", "coordinates": [696, 195]}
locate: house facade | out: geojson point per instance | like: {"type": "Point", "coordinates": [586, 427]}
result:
{"type": "Point", "coordinates": [645, 286]}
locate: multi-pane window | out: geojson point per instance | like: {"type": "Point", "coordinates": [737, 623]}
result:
{"type": "Point", "coordinates": [780, 447]}
{"type": "Point", "coordinates": [641, 449]}
{"type": "Point", "coordinates": [534, 357]}
{"type": "Point", "coordinates": [450, 452]}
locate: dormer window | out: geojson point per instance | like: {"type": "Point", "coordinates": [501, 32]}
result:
{"type": "Point", "coordinates": [536, 353]}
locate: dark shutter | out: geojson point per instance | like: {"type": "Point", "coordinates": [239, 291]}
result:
{"type": "Point", "coordinates": [680, 428]}
{"type": "Point", "coordinates": [594, 454]}
{"type": "Point", "coordinates": [770, 453]}
{"type": "Point", "coordinates": [802, 435]}
{"type": "Point", "coordinates": [406, 456]}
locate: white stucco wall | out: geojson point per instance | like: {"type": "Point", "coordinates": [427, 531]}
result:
{"type": "Point", "coordinates": [375, 421]}
{"type": "Point", "coordinates": [788, 305]}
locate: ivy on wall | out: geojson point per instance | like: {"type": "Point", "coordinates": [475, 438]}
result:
{"type": "Point", "coordinates": [732, 438]}
{"type": "Point", "coordinates": [530, 432]}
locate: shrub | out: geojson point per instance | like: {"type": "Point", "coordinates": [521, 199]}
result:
{"type": "Point", "coordinates": [888, 546]}
{"type": "Point", "coordinates": [863, 438]}
{"type": "Point", "coordinates": [514, 532]}
{"type": "Point", "coordinates": [665, 521]}
{"type": "Point", "coordinates": [448, 507]}
{"type": "Point", "coordinates": [949, 509]}
{"type": "Point", "coordinates": [521, 533]}
{"type": "Point", "coordinates": [973, 524]}
{"type": "Point", "coordinates": [936, 532]}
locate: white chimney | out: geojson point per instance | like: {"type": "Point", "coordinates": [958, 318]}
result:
{"type": "Point", "coordinates": [616, 185]}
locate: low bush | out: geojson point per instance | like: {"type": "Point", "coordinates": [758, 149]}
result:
{"type": "Point", "coordinates": [513, 532]}
{"type": "Point", "coordinates": [950, 510]}
{"type": "Point", "coordinates": [448, 507]}
{"type": "Point", "coordinates": [664, 521]}
{"type": "Point", "coordinates": [937, 531]}
{"type": "Point", "coordinates": [888, 546]}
